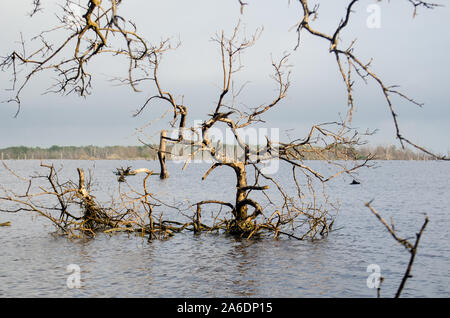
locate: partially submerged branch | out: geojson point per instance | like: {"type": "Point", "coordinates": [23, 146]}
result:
{"type": "Point", "coordinates": [411, 247]}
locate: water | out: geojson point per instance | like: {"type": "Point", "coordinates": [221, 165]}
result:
{"type": "Point", "coordinates": [33, 261]}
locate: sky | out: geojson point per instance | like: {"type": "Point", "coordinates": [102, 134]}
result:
{"type": "Point", "coordinates": [406, 51]}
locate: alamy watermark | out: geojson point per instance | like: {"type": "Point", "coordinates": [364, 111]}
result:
{"type": "Point", "coordinates": [73, 12]}
{"type": "Point", "coordinates": [374, 19]}
{"type": "Point", "coordinates": [256, 145]}
{"type": "Point", "coordinates": [74, 279]}
{"type": "Point", "coordinates": [374, 279]}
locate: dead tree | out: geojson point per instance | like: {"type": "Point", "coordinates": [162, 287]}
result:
{"type": "Point", "coordinates": [198, 140]}
{"type": "Point", "coordinates": [97, 30]}
{"type": "Point", "coordinates": [75, 212]}
{"type": "Point", "coordinates": [92, 35]}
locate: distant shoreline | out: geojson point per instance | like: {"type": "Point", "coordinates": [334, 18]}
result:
{"type": "Point", "coordinates": [149, 153]}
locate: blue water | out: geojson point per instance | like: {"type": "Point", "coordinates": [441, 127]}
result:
{"type": "Point", "coordinates": [33, 261]}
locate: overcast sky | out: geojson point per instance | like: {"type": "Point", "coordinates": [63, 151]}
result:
{"type": "Point", "coordinates": [409, 52]}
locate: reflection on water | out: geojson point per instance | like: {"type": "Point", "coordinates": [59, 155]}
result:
{"type": "Point", "coordinates": [33, 262]}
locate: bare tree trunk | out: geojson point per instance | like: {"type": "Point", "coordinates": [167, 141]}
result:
{"type": "Point", "coordinates": [241, 191]}
{"type": "Point", "coordinates": [162, 155]}
{"type": "Point", "coordinates": [90, 207]}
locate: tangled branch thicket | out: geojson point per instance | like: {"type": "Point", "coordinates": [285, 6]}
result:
{"type": "Point", "coordinates": [76, 213]}
{"type": "Point", "coordinates": [100, 31]}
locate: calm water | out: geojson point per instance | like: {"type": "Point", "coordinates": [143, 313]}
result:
{"type": "Point", "coordinates": [33, 262]}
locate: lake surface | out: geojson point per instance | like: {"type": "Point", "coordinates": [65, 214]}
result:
{"type": "Point", "coordinates": [33, 261]}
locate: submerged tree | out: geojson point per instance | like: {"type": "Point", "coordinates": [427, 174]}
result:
{"type": "Point", "coordinates": [102, 31]}
{"type": "Point", "coordinates": [75, 212]}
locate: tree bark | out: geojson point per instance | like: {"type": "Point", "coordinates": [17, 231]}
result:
{"type": "Point", "coordinates": [241, 191]}
{"type": "Point", "coordinates": [162, 155]}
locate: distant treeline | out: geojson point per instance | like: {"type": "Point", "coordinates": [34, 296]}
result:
{"type": "Point", "coordinates": [149, 153]}
{"type": "Point", "coordinates": [80, 153]}
{"type": "Point", "coordinates": [392, 153]}
{"type": "Point", "coordinates": [340, 152]}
